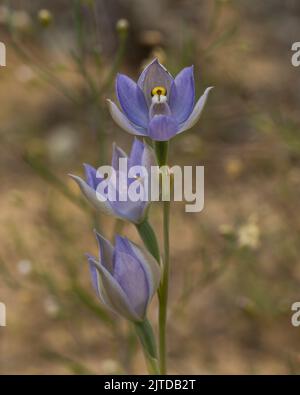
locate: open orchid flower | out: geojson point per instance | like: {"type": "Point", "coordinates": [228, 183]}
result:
{"type": "Point", "coordinates": [158, 105]}
{"type": "Point", "coordinates": [125, 277]}
{"type": "Point", "coordinates": [134, 211]}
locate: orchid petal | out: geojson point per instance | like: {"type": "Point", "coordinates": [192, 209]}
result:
{"type": "Point", "coordinates": [90, 175]}
{"type": "Point", "coordinates": [106, 252]}
{"type": "Point", "coordinates": [136, 153]}
{"type": "Point", "coordinates": [112, 293]}
{"type": "Point", "coordinates": [162, 128]}
{"type": "Point", "coordinates": [95, 277]}
{"type": "Point", "coordinates": [131, 276]}
{"type": "Point", "coordinates": [123, 122]}
{"type": "Point", "coordinates": [154, 75]}
{"type": "Point", "coordinates": [91, 195]}
{"type": "Point", "coordinates": [148, 158]}
{"type": "Point", "coordinates": [195, 115]}
{"type": "Point", "coordinates": [118, 153]}
{"type": "Point", "coordinates": [129, 210]}
{"type": "Point", "coordinates": [149, 264]}
{"type": "Point", "coordinates": [182, 95]}
{"type": "Point", "coordinates": [132, 100]}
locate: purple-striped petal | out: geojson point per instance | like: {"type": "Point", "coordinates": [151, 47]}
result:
{"type": "Point", "coordinates": [154, 75]}
{"type": "Point", "coordinates": [182, 95]}
{"type": "Point", "coordinates": [148, 158]}
{"type": "Point", "coordinates": [122, 244]}
{"type": "Point", "coordinates": [148, 263]}
{"type": "Point", "coordinates": [94, 274]}
{"type": "Point", "coordinates": [91, 176]}
{"type": "Point", "coordinates": [150, 266]}
{"type": "Point", "coordinates": [124, 122]}
{"type": "Point", "coordinates": [131, 276]}
{"type": "Point", "coordinates": [96, 281]}
{"type": "Point", "coordinates": [132, 100]}
{"type": "Point", "coordinates": [131, 211]}
{"type": "Point", "coordinates": [113, 295]}
{"type": "Point", "coordinates": [118, 153]}
{"type": "Point", "coordinates": [162, 128]}
{"type": "Point", "coordinates": [106, 252]}
{"type": "Point", "coordinates": [91, 195]}
{"type": "Point", "coordinates": [195, 115]}
{"type": "Point", "coordinates": [136, 153]}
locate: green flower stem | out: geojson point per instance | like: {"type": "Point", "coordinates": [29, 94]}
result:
{"type": "Point", "coordinates": [161, 149]}
{"type": "Point", "coordinates": [145, 334]}
{"type": "Point", "coordinates": [148, 236]}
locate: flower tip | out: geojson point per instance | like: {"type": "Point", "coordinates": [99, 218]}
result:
{"type": "Point", "coordinates": [109, 102]}
{"type": "Point", "coordinates": [85, 164]}
{"type": "Point", "coordinates": [77, 179]}
{"type": "Point", "coordinates": [99, 238]}
{"type": "Point", "coordinates": [207, 90]}
{"type": "Point", "coordinates": [95, 232]}
{"type": "Point", "coordinates": [189, 69]}
{"type": "Point", "coordinates": [119, 76]}
{"type": "Point", "coordinates": [72, 176]}
{"type": "Point", "coordinates": [154, 61]}
{"type": "Point", "coordinates": [88, 256]}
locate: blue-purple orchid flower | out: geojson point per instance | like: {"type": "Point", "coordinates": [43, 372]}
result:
{"type": "Point", "coordinates": [134, 211]}
{"type": "Point", "coordinates": [125, 277]}
{"type": "Point", "coordinates": [158, 105]}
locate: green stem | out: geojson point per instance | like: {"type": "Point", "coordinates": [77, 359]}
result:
{"type": "Point", "coordinates": [147, 339]}
{"type": "Point", "coordinates": [163, 291]}
{"type": "Point", "coordinates": [149, 238]}
{"type": "Point", "coordinates": [161, 149]}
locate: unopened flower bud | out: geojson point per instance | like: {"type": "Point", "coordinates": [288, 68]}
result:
{"type": "Point", "coordinates": [125, 277]}
{"type": "Point", "coordinates": [122, 26]}
{"type": "Point", "coordinates": [131, 210]}
{"type": "Point", "coordinates": [45, 17]}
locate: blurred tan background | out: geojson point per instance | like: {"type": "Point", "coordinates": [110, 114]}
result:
{"type": "Point", "coordinates": [235, 266]}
